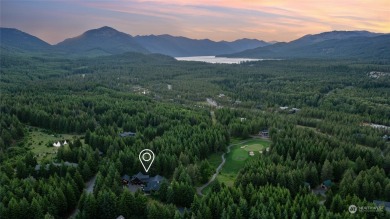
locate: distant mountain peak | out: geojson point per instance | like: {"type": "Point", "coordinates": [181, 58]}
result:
{"type": "Point", "coordinates": [102, 31]}
{"type": "Point", "coordinates": [337, 34]}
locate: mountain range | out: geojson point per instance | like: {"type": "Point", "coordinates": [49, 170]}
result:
{"type": "Point", "coordinates": [335, 44]}
{"type": "Point", "coordinates": [108, 41]}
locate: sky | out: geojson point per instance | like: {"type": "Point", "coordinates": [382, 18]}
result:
{"type": "Point", "coordinates": [269, 20]}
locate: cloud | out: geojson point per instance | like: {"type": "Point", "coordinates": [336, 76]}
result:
{"type": "Point", "coordinates": [215, 19]}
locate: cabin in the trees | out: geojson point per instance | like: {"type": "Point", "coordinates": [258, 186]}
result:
{"type": "Point", "coordinates": [327, 184]}
{"type": "Point", "coordinates": [149, 183]}
{"type": "Point", "coordinates": [294, 110]}
{"type": "Point", "coordinates": [125, 179]}
{"type": "Point", "coordinates": [384, 204]}
{"type": "Point", "coordinates": [127, 134]}
{"type": "Point", "coordinates": [139, 179]}
{"type": "Point", "coordinates": [154, 183]}
{"type": "Point", "coordinates": [47, 166]}
{"type": "Point", "coordinates": [264, 133]}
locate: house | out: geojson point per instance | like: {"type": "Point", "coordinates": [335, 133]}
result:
{"type": "Point", "coordinates": [154, 183]}
{"type": "Point", "coordinates": [294, 110]}
{"type": "Point", "coordinates": [139, 179]}
{"type": "Point", "coordinates": [386, 205]}
{"type": "Point", "coordinates": [66, 163]}
{"type": "Point", "coordinates": [327, 184]}
{"type": "Point", "coordinates": [127, 134]}
{"type": "Point", "coordinates": [149, 183]}
{"type": "Point", "coordinates": [264, 133]}
{"type": "Point", "coordinates": [125, 179]}
{"type": "Point", "coordinates": [283, 107]}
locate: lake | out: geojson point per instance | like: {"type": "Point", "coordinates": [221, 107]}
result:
{"type": "Point", "coordinates": [213, 59]}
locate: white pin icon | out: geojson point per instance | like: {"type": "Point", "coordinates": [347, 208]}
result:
{"type": "Point", "coordinates": [146, 156]}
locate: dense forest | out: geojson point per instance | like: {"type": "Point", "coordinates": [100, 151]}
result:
{"type": "Point", "coordinates": [335, 128]}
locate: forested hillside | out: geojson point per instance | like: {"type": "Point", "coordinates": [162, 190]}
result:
{"type": "Point", "coordinates": [327, 121]}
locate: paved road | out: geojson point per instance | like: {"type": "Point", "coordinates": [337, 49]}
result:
{"type": "Point", "coordinates": [199, 189]}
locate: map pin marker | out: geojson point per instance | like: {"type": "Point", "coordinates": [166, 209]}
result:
{"type": "Point", "coordinates": [146, 156]}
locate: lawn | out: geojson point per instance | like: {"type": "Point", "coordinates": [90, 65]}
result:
{"type": "Point", "coordinates": [236, 159]}
{"type": "Point", "coordinates": [238, 156]}
{"type": "Point", "coordinates": [38, 142]}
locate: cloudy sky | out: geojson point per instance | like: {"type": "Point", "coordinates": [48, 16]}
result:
{"type": "Point", "coordinates": [55, 20]}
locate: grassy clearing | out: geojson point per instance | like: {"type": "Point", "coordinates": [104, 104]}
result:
{"type": "Point", "coordinates": [38, 141]}
{"type": "Point", "coordinates": [238, 156]}
{"type": "Point", "coordinates": [236, 159]}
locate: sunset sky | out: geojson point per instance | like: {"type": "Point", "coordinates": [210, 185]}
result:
{"type": "Point", "coordinates": [55, 20]}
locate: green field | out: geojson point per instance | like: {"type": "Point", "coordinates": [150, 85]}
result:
{"type": "Point", "coordinates": [236, 159]}
{"type": "Point", "coordinates": [38, 142]}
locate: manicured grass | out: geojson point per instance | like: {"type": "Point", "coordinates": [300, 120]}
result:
{"type": "Point", "coordinates": [255, 147]}
{"type": "Point", "coordinates": [236, 159]}
{"type": "Point", "coordinates": [38, 141]}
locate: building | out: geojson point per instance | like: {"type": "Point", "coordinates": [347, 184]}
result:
{"type": "Point", "coordinates": [154, 183]}
{"type": "Point", "coordinates": [127, 134]}
{"type": "Point", "coordinates": [139, 179]}
{"type": "Point", "coordinates": [58, 144]}
{"type": "Point", "coordinates": [47, 166]}
{"type": "Point", "coordinates": [327, 184]}
{"type": "Point", "coordinates": [149, 183]}
{"type": "Point", "coordinates": [384, 204]}
{"type": "Point", "coordinates": [294, 110]}
{"type": "Point", "coordinates": [125, 179]}
{"type": "Point", "coordinates": [264, 133]}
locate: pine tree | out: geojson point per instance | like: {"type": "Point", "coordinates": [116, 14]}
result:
{"type": "Point", "coordinates": [327, 171]}
{"type": "Point", "coordinates": [126, 201]}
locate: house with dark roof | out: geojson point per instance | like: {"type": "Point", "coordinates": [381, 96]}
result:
{"type": "Point", "coordinates": [47, 166]}
{"type": "Point", "coordinates": [127, 134]}
{"type": "Point", "coordinates": [327, 184]}
{"type": "Point", "coordinates": [139, 179]}
{"type": "Point", "coordinates": [154, 183]}
{"type": "Point", "coordinates": [386, 205]}
{"type": "Point", "coordinates": [264, 133]}
{"type": "Point", "coordinates": [125, 179]}
{"type": "Point", "coordinates": [149, 183]}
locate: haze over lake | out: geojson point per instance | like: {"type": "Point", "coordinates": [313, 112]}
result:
{"type": "Point", "coordinates": [214, 60]}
